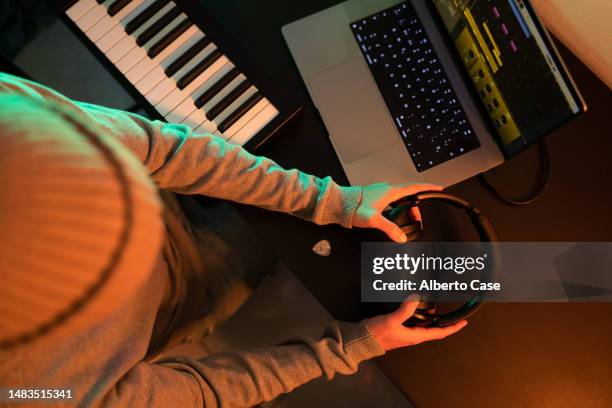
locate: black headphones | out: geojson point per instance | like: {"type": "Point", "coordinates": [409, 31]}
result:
{"type": "Point", "coordinates": [426, 314]}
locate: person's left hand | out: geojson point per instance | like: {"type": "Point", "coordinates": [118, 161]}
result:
{"type": "Point", "coordinates": [376, 197]}
{"type": "Point", "coordinates": [390, 333]}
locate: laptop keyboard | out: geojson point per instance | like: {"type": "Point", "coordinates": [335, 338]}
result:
{"type": "Point", "coordinates": [412, 81]}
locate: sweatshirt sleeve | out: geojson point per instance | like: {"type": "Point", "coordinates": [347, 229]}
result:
{"type": "Point", "coordinates": [188, 163]}
{"type": "Point", "coordinates": [246, 378]}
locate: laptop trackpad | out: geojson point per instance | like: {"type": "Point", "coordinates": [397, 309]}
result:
{"type": "Point", "coordinates": [353, 110]}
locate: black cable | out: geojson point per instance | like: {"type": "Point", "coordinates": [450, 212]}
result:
{"type": "Point", "coordinates": [545, 175]}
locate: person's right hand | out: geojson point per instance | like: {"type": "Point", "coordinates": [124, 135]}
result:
{"type": "Point", "coordinates": [376, 197]}
{"type": "Point", "coordinates": [390, 333]}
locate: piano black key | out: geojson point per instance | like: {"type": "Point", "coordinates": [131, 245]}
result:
{"type": "Point", "coordinates": [216, 87]}
{"type": "Point", "coordinates": [145, 15]}
{"type": "Point", "coordinates": [242, 109]}
{"type": "Point", "coordinates": [228, 99]}
{"type": "Point", "coordinates": [100, 1]}
{"type": "Point", "coordinates": [147, 75]}
{"type": "Point", "coordinates": [198, 69]}
{"type": "Point", "coordinates": [117, 6]}
{"type": "Point", "coordinates": [188, 55]}
{"type": "Point", "coordinates": [169, 38]}
{"type": "Point", "coordinates": [157, 26]}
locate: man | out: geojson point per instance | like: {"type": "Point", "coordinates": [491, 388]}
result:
{"type": "Point", "coordinates": [99, 274]}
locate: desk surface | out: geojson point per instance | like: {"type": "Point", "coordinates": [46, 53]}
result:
{"type": "Point", "coordinates": [510, 354]}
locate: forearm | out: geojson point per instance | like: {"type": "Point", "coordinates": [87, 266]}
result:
{"type": "Point", "coordinates": [249, 378]}
{"type": "Point", "coordinates": [188, 163]}
{"type": "Point", "coordinates": [184, 162]}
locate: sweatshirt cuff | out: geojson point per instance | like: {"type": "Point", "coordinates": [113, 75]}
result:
{"type": "Point", "coordinates": [359, 344]}
{"type": "Point", "coordinates": [341, 205]}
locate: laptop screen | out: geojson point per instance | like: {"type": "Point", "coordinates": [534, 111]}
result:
{"type": "Point", "coordinates": [505, 52]}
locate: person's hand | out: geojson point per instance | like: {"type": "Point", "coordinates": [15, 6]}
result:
{"type": "Point", "coordinates": [390, 333]}
{"type": "Point", "coordinates": [376, 197]}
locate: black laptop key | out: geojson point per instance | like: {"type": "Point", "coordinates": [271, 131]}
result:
{"type": "Point", "coordinates": [187, 56]}
{"type": "Point", "coordinates": [238, 113]}
{"type": "Point", "coordinates": [216, 87]}
{"type": "Point", "coordinates": [169, 38]}
{"type": "Point", "coordinates": [157, 26]}
{"type": "Point", "coordinates": [117, 6]}
{"type": "Point", "coordinates": [145, 15]}
{"type": "Point", "coordinates": [198, 69]}
{"type": "Point", "coordinates": [228, 99]}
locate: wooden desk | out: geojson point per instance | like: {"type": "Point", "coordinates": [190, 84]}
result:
{"type": "Point", "coordinates": [511, 355]}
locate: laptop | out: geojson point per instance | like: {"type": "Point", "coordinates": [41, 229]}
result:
{"type": "Point", "coordinates": [431, 91]}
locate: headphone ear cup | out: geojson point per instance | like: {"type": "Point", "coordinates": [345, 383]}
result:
{"type": "Point", "coordinates": [400, 215]}
{"type": "Point", "coordinates": [413, 231]}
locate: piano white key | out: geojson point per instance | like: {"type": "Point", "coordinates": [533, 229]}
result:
{"type": "Point", "coordinates": [246, 118]}
{"type": "Point", "coordinates": [129, 41]}
{"type": "Point", "coordinates": [181, 112]}
{"type": "Point", "coordinates": [157, 74]}
{"type": "Point", "coordinates": [79, 8]}
{"type": "Point", "coordinates": [254, 126]}
{"type": "Point", "coordinates": [196, 119]}
{"type": "Point", "coordinates": [160, 90]}
{"type": "Point", "coordinates": [146, 65]}
{"type": "Point", "coordinates": [207, 127]}
{"type": "Point", "coordinates": [121, 48]}
{"type": "Point", "coordinates": [107, 23]}
{"type": "Point", "coordinates": [179, 103]}
{"type": "Point", "coordinates": [118, 33]}
{"type": "Point", "coordinates": [223, 93]}
{"type": "Point", "coordinates": [167, 85]}
{"type": "Point", "coordinates": [151, 80]}
{"type": "Point", "coordinates": [138, 53]}
{"type": "Point", "coordinates": [234, 105]}
{"type": "Point", "coordinates": [93, 15]}
{"type": "Point", "coordinates": [133, 57]}
{"type": "Point", "coordinates": [111, 38]}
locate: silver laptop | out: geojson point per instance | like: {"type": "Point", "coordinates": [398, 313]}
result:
{"type": "Point", "coordinates": [431, 90]}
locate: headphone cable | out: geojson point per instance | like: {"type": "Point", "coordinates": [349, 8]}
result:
{"type": "Point", "coordinates": [545, 170]}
